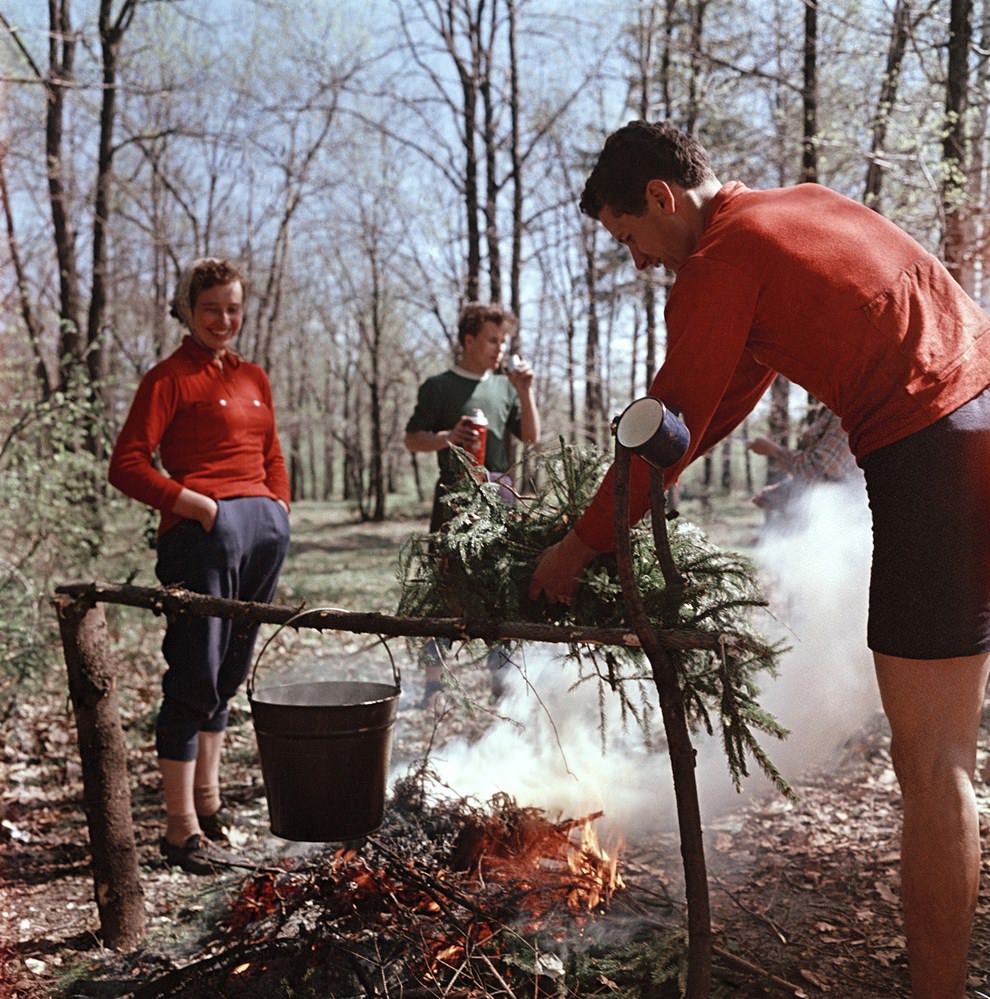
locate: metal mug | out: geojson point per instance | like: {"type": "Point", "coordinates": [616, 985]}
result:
{"type": "Point", "coordinates": [648, 428]}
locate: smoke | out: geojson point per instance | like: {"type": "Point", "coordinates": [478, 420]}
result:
{"type": "Point", "coordinates": [549, 750]}
{"type": "Point", "coordinates": [816, 574]}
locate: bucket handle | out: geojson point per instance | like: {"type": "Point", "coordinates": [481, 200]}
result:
{"type": "Point", "coordinates": [295, 617]}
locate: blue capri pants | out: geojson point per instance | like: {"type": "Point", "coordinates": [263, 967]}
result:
{"type": "Point", "coordinates": [208, 658]}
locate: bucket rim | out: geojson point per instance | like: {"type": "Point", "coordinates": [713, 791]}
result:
{"type": "Point", "coordinates": [396, 676]}
{"type": "Point", "coordinates": [255, 696]}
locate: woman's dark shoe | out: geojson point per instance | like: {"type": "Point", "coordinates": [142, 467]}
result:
{"type": "Point", "coordinates": [216, 826]}
{"type": "Point", "coordinates": [198, 856]}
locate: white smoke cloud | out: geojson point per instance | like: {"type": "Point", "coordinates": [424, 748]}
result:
{"type": "Point", "coordinates": [549, 752]}
{"type": "Point", "coordinates": [816, 574]}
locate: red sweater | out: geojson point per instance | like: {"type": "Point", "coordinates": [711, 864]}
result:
{"type": "Point", "coordinates": [213, 429]}
{"type": "Point", "coordinates": [821, 289]}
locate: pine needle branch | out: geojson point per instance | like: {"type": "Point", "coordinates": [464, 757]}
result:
{"type": "Point", "coordinates": [480, 565]}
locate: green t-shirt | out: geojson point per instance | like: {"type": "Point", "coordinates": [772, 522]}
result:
{"type": "Point", "coordinates": [443, 399]}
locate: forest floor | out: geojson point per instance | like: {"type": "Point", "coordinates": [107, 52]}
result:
{"type": "Point", "coordinates": [805, 890]}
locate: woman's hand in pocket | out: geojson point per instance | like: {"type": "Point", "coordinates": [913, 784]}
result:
{"type": "Point", "coordinates": [198, 507]}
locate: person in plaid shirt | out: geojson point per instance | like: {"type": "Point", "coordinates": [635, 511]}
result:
{"type": "Point", "coordinates": [821, 454]}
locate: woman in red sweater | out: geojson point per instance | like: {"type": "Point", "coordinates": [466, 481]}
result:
{"type": "Point", "coordinates": [206, 414]}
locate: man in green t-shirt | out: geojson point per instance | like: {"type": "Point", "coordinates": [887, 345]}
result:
{"type": "Point", "coordinates": [444, 405]}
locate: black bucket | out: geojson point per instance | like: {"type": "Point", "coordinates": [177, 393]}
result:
{"type": "Point", "coordinates": [325, 748]}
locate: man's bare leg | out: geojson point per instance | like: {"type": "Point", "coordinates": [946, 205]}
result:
{"type": "Point", "coordinates": [934, 708]}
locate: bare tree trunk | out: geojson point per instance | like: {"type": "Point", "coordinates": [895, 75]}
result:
{"type": "Point", "coordinates": [954, 248]}
{"type": "Point", "coordinates": [376, 477]}
{"type": "Point", "coordinates": [515, 158]}
{"type": "Point", "coordinates": [697, 60]}
{"type": "Point", "coordinates": [293, 432]}
{"type": "Point", "coordinates": [31, 324]}
{"type": "Point", "coordinates": [747, 458]}
{"type": "Point", "coordinates": [634, 352]}
{"type": "Point", "coordinates": [61, 64]}
{"type": "Point", "coordinates": [352, 439]}
{"type": "Point", "coordinates": [106, 792]}
{"type": "Point", "coordinates": [331, 417]}
{"type": "Point", "coordinates": [646, 30]}
{"type": "Point", "coordinates": [592, 353]}
{"type": "Point", "coordinates": [417, 477]}
{"type": "Point", "coordinates": [809, 145]}
{"type": "Point", "coordinates": [779, 422]}
{"type": "Point", "coordinates": [572, 407]}
{"type": "Point", "coordinates": [345, 434]}
{"type": "Point", "coordinates": [885, 102]}
{"type": "Point", "coordinates": [468, 74]}
{"type": "Point", "coordinates": [111, 33]}
{"type": "Point", "coordinates": [162, 274]}
{"type": "Point", "coordinates": [490, 143]}
{"type": "Point", "coordinates": [980, 171]}
{"type": "Point", "coordinates": [650, 318]}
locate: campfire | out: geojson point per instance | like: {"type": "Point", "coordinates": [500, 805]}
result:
{"type": "Point", "coordinates": [448, 899]}
{"type": "Point", "coordinates": [552, 864]}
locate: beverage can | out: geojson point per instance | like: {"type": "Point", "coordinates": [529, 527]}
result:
{"type": "Point", "coordinates": [479, 423]}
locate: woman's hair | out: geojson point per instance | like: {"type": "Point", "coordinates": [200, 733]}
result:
{"type": "Point", "coordinates": [203, 273]}
{"type": "Point", "coordinates": [636, 154]}
{"type": "Point", "coordinates": [475, 314]}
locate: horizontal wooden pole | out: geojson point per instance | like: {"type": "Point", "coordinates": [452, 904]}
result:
{"type": "Point", "coordinates": [174, 600]}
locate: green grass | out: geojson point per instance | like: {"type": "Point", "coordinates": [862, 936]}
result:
{"type": "Point", "coordinates": [336, 560]}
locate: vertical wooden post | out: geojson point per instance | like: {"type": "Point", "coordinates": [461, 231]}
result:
{"type": "Point", "coordinates": [679, 747]}
{"type": "Point", "coordinates": [106, 788]}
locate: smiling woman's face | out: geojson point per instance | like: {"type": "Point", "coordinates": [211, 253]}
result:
{"type": "Point", "coordinates": [217, 315]}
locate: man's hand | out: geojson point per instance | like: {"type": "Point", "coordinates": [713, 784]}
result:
{"type": "Point", "coordinates": [559, 570]}
{"type": "Point", "coordinates": [463, 434]}
{"type": "Point", "coordinates": [764, 446]}
{"type": "Point", "coordinates": [520, 376]}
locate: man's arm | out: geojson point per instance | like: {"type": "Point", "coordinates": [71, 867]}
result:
{"type": "Point", "coordinates": [427, 440]}
{"type": "Point", "coordinates": [521, 378]}
{"type": "Point", "coordinates": [462, 434]}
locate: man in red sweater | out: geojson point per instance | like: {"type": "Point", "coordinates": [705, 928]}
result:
{"type": "Point", "coordinates": [807, 283]}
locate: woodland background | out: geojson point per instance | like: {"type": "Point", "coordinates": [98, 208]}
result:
{"type": "Point", "coordinates": [376, 164]}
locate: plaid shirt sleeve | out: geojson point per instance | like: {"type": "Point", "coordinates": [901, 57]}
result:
{"type": "Point", "coordinates": [823, 451]}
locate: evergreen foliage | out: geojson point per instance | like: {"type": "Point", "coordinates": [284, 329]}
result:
{"type": "Point", "coordinates": [480, 565]}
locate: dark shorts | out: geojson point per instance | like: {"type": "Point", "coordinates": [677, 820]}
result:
{"type": "Point", "coordinates": [930, 499]}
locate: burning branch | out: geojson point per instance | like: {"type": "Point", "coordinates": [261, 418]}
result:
{"type": "Point", "coordinates": [492, 897]}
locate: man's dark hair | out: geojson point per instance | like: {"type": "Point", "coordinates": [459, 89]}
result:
{"type": "Point", "coordinates": [636, 154]}
{"type": "Point", "coordinates": [475, 314]}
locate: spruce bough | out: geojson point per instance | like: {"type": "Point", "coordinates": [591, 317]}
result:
{"type": "Point", "coordinates": [480, 565]}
